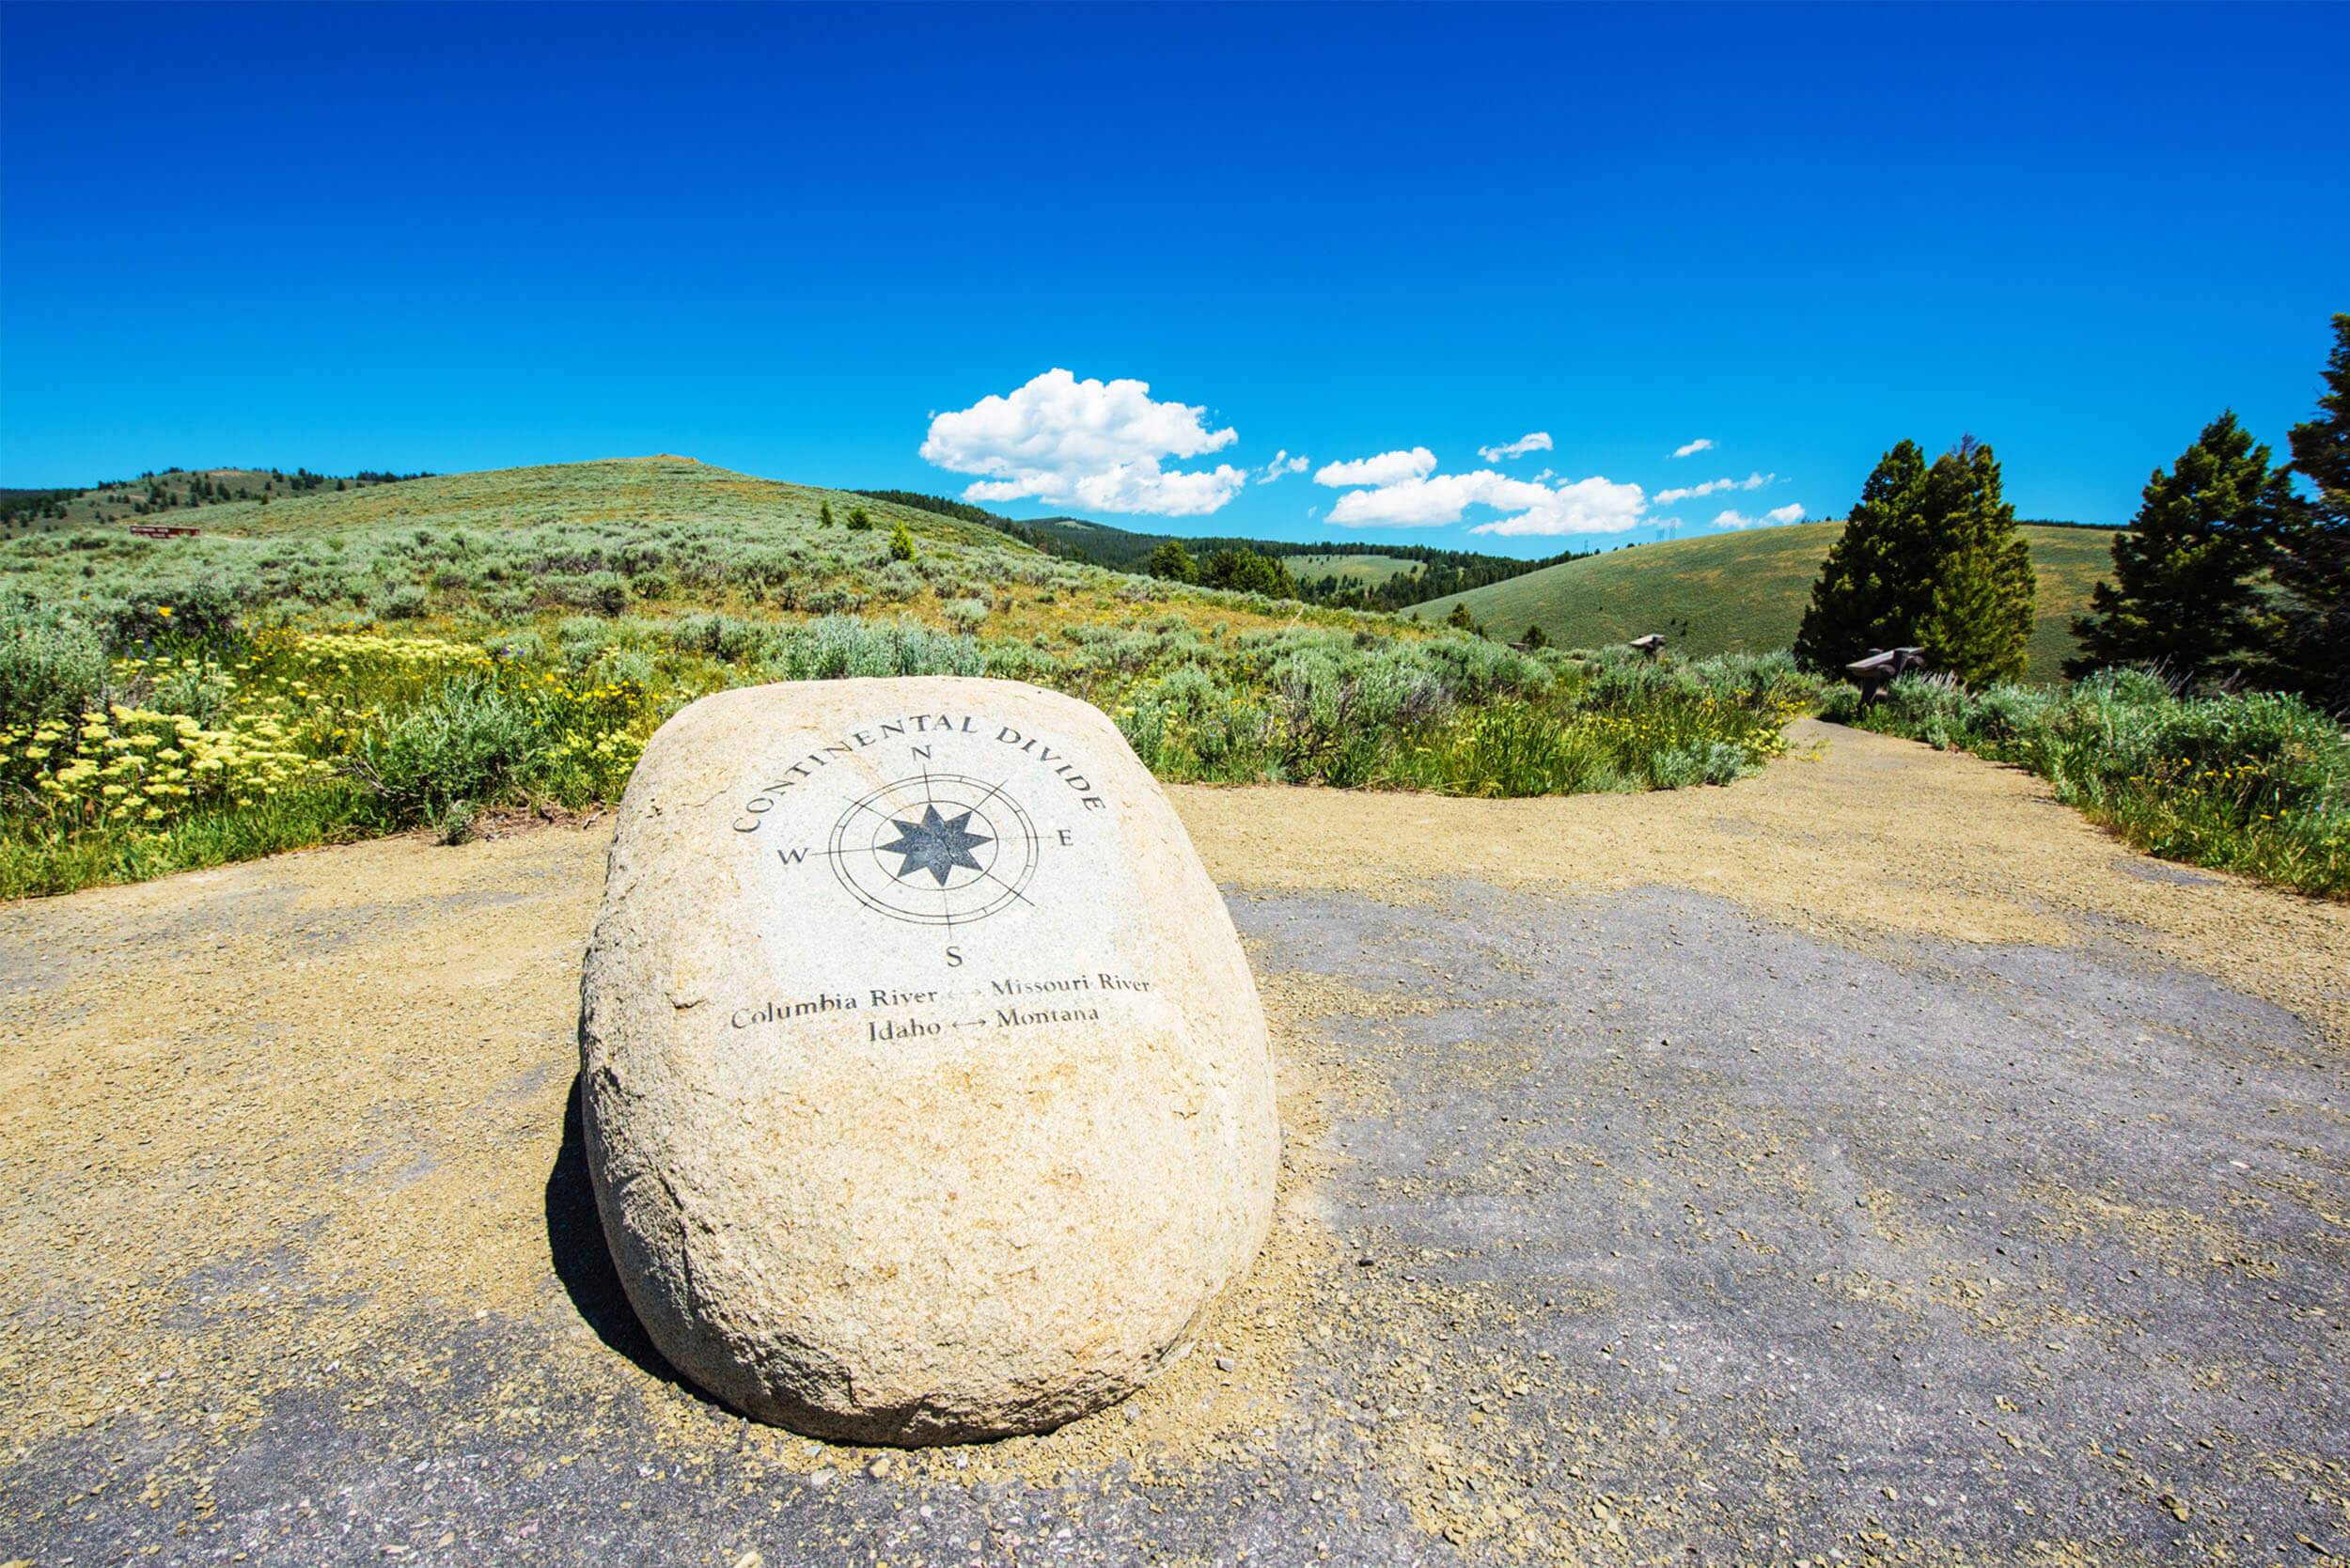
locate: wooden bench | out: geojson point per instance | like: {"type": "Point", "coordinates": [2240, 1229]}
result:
{"type": "Point", "coordinates": [1881, 667]}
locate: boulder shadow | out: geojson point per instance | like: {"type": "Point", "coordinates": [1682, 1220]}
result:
{"type": "Point", "coordinates": [583, 1261]}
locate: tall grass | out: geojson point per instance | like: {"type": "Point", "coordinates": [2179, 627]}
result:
{"type": "Point", "coordinates": [2255, 782]}
{"type": "Point", "coordinates": [1460, 716]}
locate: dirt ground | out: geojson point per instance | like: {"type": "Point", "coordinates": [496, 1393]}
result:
{"type": "Point", "coordinates": [1867, 1162]}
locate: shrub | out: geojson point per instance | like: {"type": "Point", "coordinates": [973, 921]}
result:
{"type": "Point", "coordinates": [896, 583]}
{"type": "Point", "coordinates": [50, 667]}
{"type": "Point", "coordinates": [620, 666]}
{"type": "Point", "coordinates": [399, 602]}
{"type": "Point", "coordinates": [1513, 748]}
{"type": "Point", "coordinates": [720, 636]}
{"type": "Point", "coordinates": [1189, 724]}
{"type": "Point", "coordinates": [469, 741]}
{"type": "Point", "coordinates": [837, 648]}
{"type": "Point", "coordinates": [203, 610]}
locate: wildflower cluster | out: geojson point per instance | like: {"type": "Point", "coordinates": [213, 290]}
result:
{"type": "Point", "coordinates": [187, 730]}
{"type": "Point", "coordinates": [594, 731]}
{"type": "Point", "coordinates": [141, 769]}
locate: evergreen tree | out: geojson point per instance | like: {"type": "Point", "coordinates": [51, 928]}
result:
{"type": "Point", "coordinates": [1247, 572]}
{"type": "Point", "coordinates": [824, 515]}
{"type": "Point", "coordinates": [1978, 627]}
{"type": "Point", "coordinates": [1875, 584]}
{"type": "Point", "coordinates": [1535, 637]}
{"type": "Point", "coordinates": [2314, 566]}
{"type": "Point", "coordinates": [1930, 558]}
{"type": "Point", "coordinates": [2185, 592]}
{"type": "Point", "coordinates": [900, 543]}
{"type": "Point", "coordinates": [1172, 562]}
{"type": "Point", "coordinates": [858, 522]}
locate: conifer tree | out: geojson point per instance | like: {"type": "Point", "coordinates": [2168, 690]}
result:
{"type": "Point", "coordinates": [824, 515]}
{"type": "Point", "coordinates": [1978, 625]}
{"type": "Point", "coordinates": [2314, 566]}
{"type": "Point", "coordinates": [1874, 582]}
{"type": "Point", "coordinates": [1930, 558]}
{"type": "Point", "coordinates": [2184, 593]}
{"type": "Point", "coordinates": [1172, 563]}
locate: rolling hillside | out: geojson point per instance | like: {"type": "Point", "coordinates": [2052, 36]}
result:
{"type": "Point", "coordinates": [596, 555]}
{"type": "Point", "coordinates": [1355, 567]}
{"type": "Point", "coordinates": [1364, 576]}
{"type": "Point", "coordinates": [174, 496]}
{"type": "Point", "coordinates": [1745, 592]}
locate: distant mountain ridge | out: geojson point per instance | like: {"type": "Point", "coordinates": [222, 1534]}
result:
{"type": "Point", "coordinates": [1327, 572]}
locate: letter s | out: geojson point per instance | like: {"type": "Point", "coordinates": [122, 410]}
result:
{"type": "Point", "coordinates": [954, 958]}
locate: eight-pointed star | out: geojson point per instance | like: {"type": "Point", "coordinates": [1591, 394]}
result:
{"type": "Point", "coordinates": [935, 844]}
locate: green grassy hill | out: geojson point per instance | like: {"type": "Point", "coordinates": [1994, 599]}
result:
{"type": "Point", "coordinates": [517, 551]}
{"type": "Point", "coordinates": [1365, 569]}
{"type": "Point", "coordinates": [177, 497]}
{"type": "Point", "coordinates": [1745, 592]}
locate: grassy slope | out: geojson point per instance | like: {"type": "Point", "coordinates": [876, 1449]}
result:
{"type": "Point", "coordinates": [1365, 569]}
{"type": "Point", "coordinates": [362, 542]}
{"type": "Point", "coordinates": [115, 504]}
{"type": "Point", "coordinates": [1745, 592]}
{"type": "Point", "coordinates": [611, 490]}
{"type": "Point", "coordinates": [654, 489]}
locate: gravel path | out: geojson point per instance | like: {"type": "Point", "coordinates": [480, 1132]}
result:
{"type": "Point", "coordinates": [1867, 1162]}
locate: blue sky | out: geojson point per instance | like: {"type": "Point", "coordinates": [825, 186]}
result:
{"type": "Point", "coordinates": [784, 238]}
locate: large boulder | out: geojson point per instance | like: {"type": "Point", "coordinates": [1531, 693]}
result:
{"type": "Point", "coordinates": [927, 1093]}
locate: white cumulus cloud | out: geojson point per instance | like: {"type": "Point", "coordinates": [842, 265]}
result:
{"type": "Point", "coordinates": [1092, 445]}
{"type": "Point", "coordinates": [1592, 506]}
{"type": "Point", "coordinates": [1773, 518]}
{"type": "Point", "coordinates": [1534, 441]}
{"type": "Point", "coordinates": [1691, 449]}
{"type": "Point", "coordinates": [1415, 497]}
{"type": "Point", "coordinates": [1752, 482]}
{"type": "Point", "coordinates": [1422, 499]}
{"type": "Point", "coordinates": [1386, 468]}
{"type": "Point", "coordinates": [1283, 463]}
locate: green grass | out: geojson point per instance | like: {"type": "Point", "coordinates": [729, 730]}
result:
{"type": "Point", "coordinates": [339, 664]}
{"type": "Point", "coordinates": [1370, 570]}
{"type": "Point", "coordinates": [1744, 593]}
{"type": "Point", "coordinates": [2254, 782]}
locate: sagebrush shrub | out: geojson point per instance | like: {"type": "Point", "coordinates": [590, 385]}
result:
{"type": "Point", "coordinates": [467, 740]}
{"type": "Point", "coordinates": [50, 667]}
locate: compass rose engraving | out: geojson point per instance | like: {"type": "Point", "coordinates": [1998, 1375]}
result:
{"type": "Point", "coordinates": [940, 849]}
{"type": "Point", "coordinates": [935, 844]}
